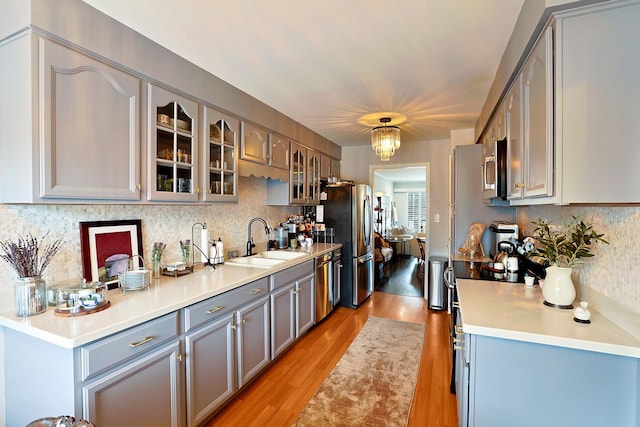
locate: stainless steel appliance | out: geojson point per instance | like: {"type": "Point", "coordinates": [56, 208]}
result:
{"type": "Point", "coordinates": [494, 172]}
{"type": "Point", "coordinates": [349, 210]}
{"type": "Point", "coordinates": [503, 237]}
{"type": "Point", "coordinates": [282, 237]}
{"type": "Point", "coordinates": [468, 206]}
{"type": "Point", "coordinates": [336, 264]}
{"type": "Point", "coordinates": [324, 286]}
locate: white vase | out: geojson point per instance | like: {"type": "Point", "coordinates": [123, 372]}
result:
{"type": "Point", "coordinates": [558, 287]}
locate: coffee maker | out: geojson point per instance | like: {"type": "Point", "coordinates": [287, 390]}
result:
{"type": "Point", "coordinates": [504, 237]}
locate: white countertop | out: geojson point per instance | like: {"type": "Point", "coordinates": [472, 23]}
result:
{"type": "Point", "coordinates": [511, 311]}
{"type": "Point", "coordinates": [165, 295]}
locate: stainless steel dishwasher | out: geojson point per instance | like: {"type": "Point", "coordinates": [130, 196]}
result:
{"type": "Point", "coordinates": [324, 286]}
{"type": "Point", "coordinates": [336, 262]}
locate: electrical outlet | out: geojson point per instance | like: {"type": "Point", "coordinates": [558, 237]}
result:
{"type": "Point", "coordinates": [436, 217]}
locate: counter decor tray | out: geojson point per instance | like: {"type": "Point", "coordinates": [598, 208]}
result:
{"type": "Point", "coordinates": [82, 310]}
{"type": "Point", "coordinates": [177, 273]}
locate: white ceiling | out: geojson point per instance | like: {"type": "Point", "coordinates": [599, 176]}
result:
{"type": "Point", "coordinates": [328, 63]}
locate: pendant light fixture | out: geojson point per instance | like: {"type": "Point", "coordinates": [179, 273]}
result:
{"type": "Point", "coordinates": [385, 140]}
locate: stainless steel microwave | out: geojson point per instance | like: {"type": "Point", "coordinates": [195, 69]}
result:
{"type": "Point", "coordinates": [494, 171]}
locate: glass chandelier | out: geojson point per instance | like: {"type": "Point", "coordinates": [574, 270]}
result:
{"type": "Point", "coordinates": [385, 140]}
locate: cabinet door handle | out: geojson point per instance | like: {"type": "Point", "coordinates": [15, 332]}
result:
{"type": "Point", "coordinates": [256, 291]}
{"type": "Point", "coordinates": [138, 186]}
{"type": "Point", "coordinates": [234, 326]}
{"type": "Point", "coordinates": [215, 309]}
{"type": "Point", "coordinates": [459, 330]}
{"type": "Point", "coordinates": [139, 343]}
{"type": "Point", "coordinates": [244, 321]}
{"type": "Point", "coordinates": [458, 347]}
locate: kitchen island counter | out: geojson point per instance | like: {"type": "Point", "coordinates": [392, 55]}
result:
{"type": "Point", "coordinates": [511, 311]}
{"type": "Point", "coordinates": [132, 308]}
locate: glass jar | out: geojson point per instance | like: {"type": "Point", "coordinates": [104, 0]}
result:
{"type": "Point", "coordinates": [30, 296]}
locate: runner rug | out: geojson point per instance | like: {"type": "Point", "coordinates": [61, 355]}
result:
{"type": "Point", "coordinates": [374, 381]}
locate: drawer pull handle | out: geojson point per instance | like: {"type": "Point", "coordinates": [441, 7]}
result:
{"type": "Point", "coordinates": [215, 309]}
{"type": "Point", "coordinates": [458, 347]}
{"type": "Point", "coordinates": [256, 291]}
{"type": "Point", "coordinates": [459, 330]}
{"type": "Point", "coordinates": [139, 343]}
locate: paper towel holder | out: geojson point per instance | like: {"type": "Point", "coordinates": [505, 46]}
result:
{"type": "Point", "coordinates": [203, 251]}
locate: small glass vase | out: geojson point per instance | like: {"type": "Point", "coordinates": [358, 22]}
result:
{"type": "Point", "coordinates": [30, 296]}
{"type": "Point", "coordinates": [157, 268]}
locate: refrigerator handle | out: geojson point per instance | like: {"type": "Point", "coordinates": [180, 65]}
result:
{"type": "Point", "coordinates": [365, 258]}
{"type": "Point", "coordinates": [366, 223]}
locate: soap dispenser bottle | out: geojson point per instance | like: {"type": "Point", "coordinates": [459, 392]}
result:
{"type": "Point", "coordinates": [219, 251]}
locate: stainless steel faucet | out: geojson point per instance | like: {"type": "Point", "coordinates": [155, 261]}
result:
{"type": "Point", "coordinates": [250, 244]}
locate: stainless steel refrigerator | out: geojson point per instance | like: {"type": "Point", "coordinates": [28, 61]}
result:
{"type": "Point", "coordinates": [348, 209]}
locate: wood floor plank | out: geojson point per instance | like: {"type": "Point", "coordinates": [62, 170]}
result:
{"type": "Point", "coordinates": [277, 396]}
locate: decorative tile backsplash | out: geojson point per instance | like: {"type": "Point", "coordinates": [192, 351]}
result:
{"type": "Point", "coordinates": [614, 271]}
{"type": "Point", "coordinates": [168, 224]}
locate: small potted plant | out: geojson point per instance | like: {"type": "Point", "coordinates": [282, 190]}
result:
{"type": "Point", "coordinates": [563, 249]}
{"type": "Point", "coordinates": [29, 257]}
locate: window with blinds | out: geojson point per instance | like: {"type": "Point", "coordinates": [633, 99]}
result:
{"type": "Point", "coordinates": [417, 209]}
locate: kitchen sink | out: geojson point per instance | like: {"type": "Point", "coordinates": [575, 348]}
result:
{"type": "Point", "coordinates": [281, 254]}
{"type": "Point", "coordinates": [254, 261]}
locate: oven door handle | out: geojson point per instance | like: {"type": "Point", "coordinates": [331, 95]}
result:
{"type": "Point", "coordinates": [449, 278]}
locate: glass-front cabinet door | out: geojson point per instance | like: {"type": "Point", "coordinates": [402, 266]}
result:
{"type": "Point", "coordinates": [172, 168]}
{"type": "Point", "coordinates": [220, 180]}
{"type": "Point", "coordinates": [313, 176]}
{"type": "Point", "coordinates": [298, 178]}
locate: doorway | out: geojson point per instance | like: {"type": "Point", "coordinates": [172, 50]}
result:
{"type": "Point", "coordinates": [403, 206]}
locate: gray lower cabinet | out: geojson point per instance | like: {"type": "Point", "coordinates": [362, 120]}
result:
{"type": "Point", "coordinates": [210, 368]}
{"type": "Point", "coordinates": [185, 365]}
{"type": "Point", "coordinates": [528, 384]}
{"type": "Point", "coordinates": [292, 306]}
{"type": "Point", "coordinates": [107, 381]}
{"type": "Point", "coordinates": [152, 381]}
{"type": "Point", "coordinates": [226, 345]}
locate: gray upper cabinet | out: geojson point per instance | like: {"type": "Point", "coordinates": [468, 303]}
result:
{"type": "Point", "coordinates": [514, 140]}
{"type": "Point", "coordinates": [172, 146]}
{"type": "Point", "coordinates": [278, 151]}
{"type": "Point", "coordinates": [254, 144]}
{"type": "Point", "coordinates": [597, 109]}
{"type": "Point", "coordinates": [74, 136]}
{"type": "Point", "coordinates": [219, 156]}
{"type": "Point", "coordinates": [534, 177]}
{"type": "Point", "coordinates": [329, 167]}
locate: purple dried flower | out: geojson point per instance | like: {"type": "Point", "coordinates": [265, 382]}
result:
{"type": "Point", "coordinates": [26, 256]}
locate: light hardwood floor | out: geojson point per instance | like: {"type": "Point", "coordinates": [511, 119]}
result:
{"type": "Point", "coordinates": [282, 391]}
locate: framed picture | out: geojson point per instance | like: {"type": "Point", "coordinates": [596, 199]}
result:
{"type": "Point", "coordinates": [107, 247]}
